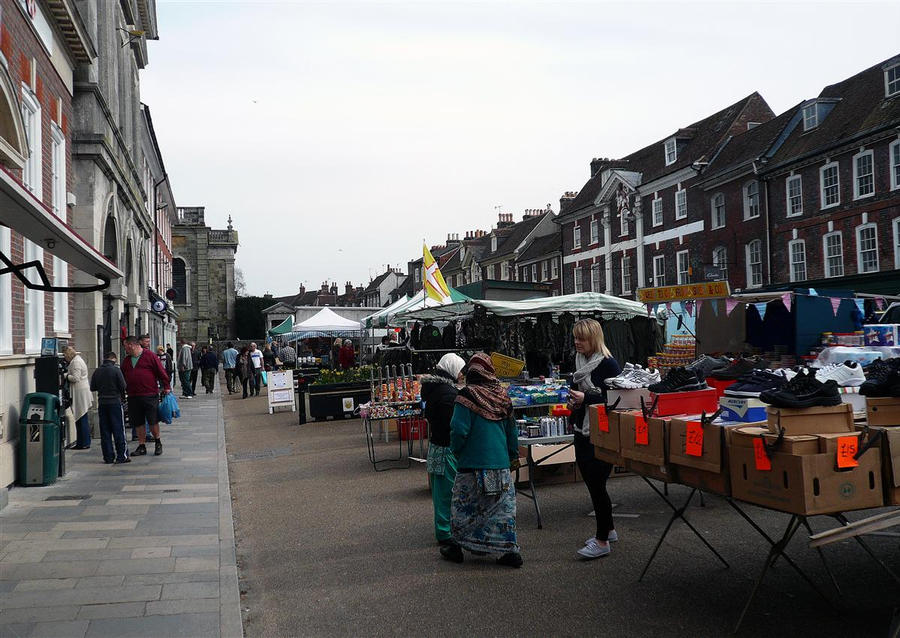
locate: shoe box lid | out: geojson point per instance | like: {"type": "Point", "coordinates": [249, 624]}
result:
{"type": "Point", "coordinates": [815, 420]}
{"type": "Point", "coordinates": [747, 409]}
{"type": "Point", "coordinates": [693, 402]}
{"type": "Point", "coordinates": [629, 399]}
{"type": "Point", "coordinates": [883, 410]}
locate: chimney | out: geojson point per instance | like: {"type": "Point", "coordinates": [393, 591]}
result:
{"type": "Point", "coordinates": [453, 239]}
{"type": "Point", "coordinates": [504, 220]}
{"type": "Point", "coordinates": [302, 289]}
{"type": "Point", "coordinates": [598, 164]}
{"type": "Point", "coordinates": [566, 199]}
{"type": "Point", "coordinates": [348, 288]}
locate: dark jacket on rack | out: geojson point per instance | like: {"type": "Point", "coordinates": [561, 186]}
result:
{"type": "Point", "coordinates": [439, 393]}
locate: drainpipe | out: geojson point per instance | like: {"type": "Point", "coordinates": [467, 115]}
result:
{"type": "Point", "coordinates": [765, 184]}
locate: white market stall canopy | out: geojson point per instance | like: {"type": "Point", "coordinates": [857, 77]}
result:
{"type": "Point", "coordinates": [418, 302]}
{"type": "Point", "coordinates": [326, 320]}
{"type": "Point", "coordinates": [581, 302]}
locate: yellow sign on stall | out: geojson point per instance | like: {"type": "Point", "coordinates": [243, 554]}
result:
{"type": "Point", "coordinates": [706, 290]}
{"type": "Point", "coordinates": [506, 367]}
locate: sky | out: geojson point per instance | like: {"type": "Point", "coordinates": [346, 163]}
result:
{"type": "Point", "coordinates": [340, 135]}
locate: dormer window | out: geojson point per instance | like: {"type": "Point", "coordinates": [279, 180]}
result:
{"type": "Point", "coordinates": [494, 244]}
{"type": "Point", "coordinates": [892, 81]}
{"type": "Point", "coordinates": [810, 117]}
{"type": "Point", "coordinates": [671, 151]}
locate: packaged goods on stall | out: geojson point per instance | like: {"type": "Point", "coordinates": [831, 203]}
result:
{"type": "Point", "coordinates": [524, 395]}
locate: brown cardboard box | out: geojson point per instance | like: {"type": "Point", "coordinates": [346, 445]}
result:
{"type": "Point", "coordinates": [818, 420]}
{"type": "Point", "coordinates": [609, 441]}
{"type": "Point", "coordinates": [890, 462]}
{"type": "Point", "coordinates": [549, 473]}
{"type": "Point", "coordinates": [654, 453]}
{"type": "Point", "coordinates": [713, 451]}
{"type": "Point", "coordinates": [608, 456]}
{"type": "Point", "coordinates": [883, 410]}
{"type": "Point", "coordinates": [806, 484]}
{"type": "Point", "coordinates": [712, 482]}
{"type": "Point", "coordinates": [797, 444]}
{"type": "Point", "coordinates": [664, 473]}
{"type": "Point", "coordinates": [828, 442]}
{"type": "Point", "coordinates": [628, 399]}
{"type": "Point", "coordinates": [743, 436]}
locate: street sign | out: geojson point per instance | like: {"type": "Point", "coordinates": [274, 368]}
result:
{"type": "Point", "coordinates": [661, 294]}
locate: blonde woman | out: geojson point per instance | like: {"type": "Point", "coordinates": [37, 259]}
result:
{"type": "Point", "coordinates": [593, 363]}
{"type": "Point", "coordinates": [82, 399]}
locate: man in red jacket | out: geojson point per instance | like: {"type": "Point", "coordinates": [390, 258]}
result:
{"type": "Point", "coordinates": [144, 376]}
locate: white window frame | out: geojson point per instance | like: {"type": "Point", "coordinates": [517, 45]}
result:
{"type": "Point", "coordinates": [670, 150]}
{"type": "Point", "coordinates": [753, 266]}
{"type": "Point", "coordinates": [751, 209]}
{"type": "Point", "coordinates": [534, 271]}
{"type": "Point", "coordinates": [810, 116]}
{"type": "Point", "coordinates": [657, 207]}
{"type": "Point", "coordinates": [895, 70]}
{"type": "Point", "coordinates": [544, 270]}
{"type": "Point", "coordinates": [681, 211]}
{"type": "Point", "coordinates": [595, 232]}
{"type": "Point", "coordinates": [490, 271]}
{"type": "Point", "coordinates": [34, 301]}
{"type": "Point", "coordinates": [58, 171]}
{"type": "Point", "coordinates": [623, 224]}
{"type": "Point", "coordinates": [856, 176]}
{"type": "Point", "coordinates": [789, 203]}
{"type": "Point", "coordinates": [578, 279]}
{"type": "Point", "coordinates": [837, 184]}
{"type": "Point", "coordinates": [554, 268]}
{"type": "Point", "coordinates": [576, 236]}
{"type": "Point", "coordinates": [859, 251]}
{"type": "Point", "coordinates": [595, 278]}
{"type": "Point", "coordinates": [659, 270]}
{"type": "Point", "coordinates": [60, 299]}
{"type": "Point", "coordinates": [720, 259]}
{"type": "Point", "coordinates": [31, 116]}
{"type": "Point", "coordinates": [626, 274]}
{"type": "Point", "coordinates": [6, 343]}
{"type": "Point", "coordinates": [795, 264]}
{"type": "Point", "coordinates": [839, 270]}
{"type": "Point", "coordinates": [894, 163]}
{"type": "Point", "coordinates": [682, 267]}
{"type": "Point", "coordinates": [493, 243]}
{"type": "Point", "coordinates": [713, 211]}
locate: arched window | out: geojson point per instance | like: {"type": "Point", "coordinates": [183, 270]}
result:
{"type": "Point", "coordinates": [180, 280]}
{"type": "Point", "coordinates": [129, 263]}
{"type": "Point", "coordinates": [110, 242]}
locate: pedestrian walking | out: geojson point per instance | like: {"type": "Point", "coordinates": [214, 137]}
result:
{"type": "Point", "coordinates": [144, 376]}
{"type": "Point", "coordinates": [484, 440]}
{"type": "Point", "coordinates": [209, 367]}
{"type": "Point", "coordinates": [164, 359]}
{"type": "Point", "coordinates": [172, 376]}
{"type": "Point", "coordinates": [185, 365]}
{"type": "Point", "coordinates": [195, 370]}
{"type": "Point", "coordinates": [109, 384]}
{"type": "Point", "coordinates": [82, 399]}
{"type": "Point", "coordinates": [229, 363]}
{"type": "Point", "coordinates": [269, 358]}
{"type": "Point", "coordinates": [288, 356]}
{"type": "Point", "coordinates": [256, 359]}
{"type": "Point", "coordinates": [245, 371]}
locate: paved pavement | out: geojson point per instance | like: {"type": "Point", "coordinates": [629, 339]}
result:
{"type": "Point", "coordinates": [144, 549]}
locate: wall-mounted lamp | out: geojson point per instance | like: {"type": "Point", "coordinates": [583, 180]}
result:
{"type": "Point", "coordinates": [132, 32]}
{"type": "Point", "coordinates": [50, 242]}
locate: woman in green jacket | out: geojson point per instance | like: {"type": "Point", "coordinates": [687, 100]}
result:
{"type": "Point", "coordinates": [484, 441]}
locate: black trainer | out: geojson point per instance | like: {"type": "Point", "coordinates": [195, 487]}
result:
{"type": "Point", "coordinates": [452, 553]}
{"type": "Point", "coordinates": [754, 383]}
{"type": "Point", "coordinates": [804, 391]}
{"type": "Point", "coordinates": [140, 450]}
{"type": "Point", "coordinates": [738, 368]}
{"type": "Point", "coordinates": [706, 365]}
{"type": "Point", "coordinates": [882, 379]}
{"type": "Point", "coordinates": [678, 380]}
{"type": "Point", "coordinates": [158, 450]}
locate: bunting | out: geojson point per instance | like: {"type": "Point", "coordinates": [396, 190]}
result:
{"type": "Point", "coordinates": [861, 306]}
{"type": "Point", "coordinates": [813, 293]}
{"type": "Point", "coordinates": [714, 304]}
{"type": "Point", "coordinates": [761, 309]}
{"type": "Point", "coordinates": [730, 305]}
{"type": "Point", "coordinates": [786, 300]}
{"type": "Point", "coordinates": [699, 304]}
{"type": "Point", "coordinates": [835, 304]}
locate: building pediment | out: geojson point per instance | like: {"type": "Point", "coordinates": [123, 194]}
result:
{"type": "Point", "coordinates": [279, 307]}
{"type": "Point", "coordinates": [610, 191]}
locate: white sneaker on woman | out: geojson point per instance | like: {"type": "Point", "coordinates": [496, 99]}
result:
{"type": "Point", "coordinates": [594, 549]}
{"type": "Point", "coordinates": [612, 538]}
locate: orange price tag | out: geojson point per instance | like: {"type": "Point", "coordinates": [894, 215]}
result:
{"type": "Point", "coordinates": [763, 462]}
{"type": "Point", "coordinates": [641, 432]}
{"type": "Point", "coordinates": [693, 444]}
{"type": "Point", "coordinates": [602, 418]}
{"type": "Point", "coordinates": [846, 450]}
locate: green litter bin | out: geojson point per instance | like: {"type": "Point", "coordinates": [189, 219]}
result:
{"type": "Point", "coordinates": [39, 439]}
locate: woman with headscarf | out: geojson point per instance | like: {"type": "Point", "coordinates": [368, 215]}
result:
{"type": "Point", "coordinates": [484, 441]}
{"type": "Point", "coordinates": [439, 391]}
{"type": "Point", "coordinates": [593, 364]}
{"type": "Point", "coordinates": [82, 399]}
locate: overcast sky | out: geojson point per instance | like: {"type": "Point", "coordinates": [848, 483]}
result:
{"type": "Point", "coordinates": [340, 134]}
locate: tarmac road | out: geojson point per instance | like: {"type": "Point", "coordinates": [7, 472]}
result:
{"type": "Point", "coordinates": [328, 547]}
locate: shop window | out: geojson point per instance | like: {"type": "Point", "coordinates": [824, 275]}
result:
{"type": "Point", "coordinates": [833, 244]}
{"type": "Point", "coordinates": [797, 253]}
{"type": "Point", "coordinates": [34, 302]}
{"type": "Point", "coordinates": [830, 185]}
{"type": "Point", "coordinates": [794, 186]}
{"type": "Point", "coordinates": [626, 274]}
{"type": "Point", "coordinates": [657, 212]}
{"type": "Point", "coordinates": [863, 175]}
{"type": "Point", "coordinates": [595, 232]}
{"type": "Point", "coordinates": [718, 211]}
{"type": "Point", "coordinates": [751, 200]}
{"type": "Point", "coordinates": [684, 267]}
{"type": "Point", "coordinates": [578, 274]}
{"type": "Point", "coordinates": [659, 270]}
{"type": "Point", "coordinates": [754, 264]}
{"type": "Point", "coordinates": [681, 204]}
{"type": "Point", "coordinates": [5, 296]}
{"type": "Point", "coordinates": [867, 248]}
{"type": "Point", "coordinates": [720, 259]}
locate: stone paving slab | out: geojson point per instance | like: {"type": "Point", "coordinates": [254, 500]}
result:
{"type": "Point", "coordinates": [144, 549]}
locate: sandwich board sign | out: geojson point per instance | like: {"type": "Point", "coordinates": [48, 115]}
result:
{"type": "Point", "coordinates": [281, 390]}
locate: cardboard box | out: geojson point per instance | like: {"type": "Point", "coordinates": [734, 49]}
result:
{"type": "Point", "coordinates": [818, 420]}
{"type": "Point", "coordinates": [562, 453]}
{"type": "Point", "coordinates": [806, 484]}
{"type": "Point", "coordinates": [881, 334]}
{"type": "Point", "coordinates": [852, 397]}
{"type": "Point", "coordinates": [695, 402]}
{"type": "Point", "coordinates": [743, 435]}
{"type": "Point", "coordinates": [628, 399]}
{"type": "Point", "coordinates": [712, 482]}
{"type": "Point", "coordinates": [890, 462]}
{"type": "Point", "coordinates": [712, 451]}
{"type": "Point", "coordinates": [550, 473]}
{"type": "Point", "coordinates": [664, 473]}
{"type": "Point", "coordinates": [608, 456]}
{"type": "Point", "coordinates": [747, 409]}
{"type": "Point", "coordinates": [796, 444]}
{"type": "Point", "coordinates": [883, 411]}
{"type": "Point", "coordinates": [828, 443]}
{"type": "Point", "coordinates": [654, 452]}
{"type": "Point", "coordinates": [610, 441]}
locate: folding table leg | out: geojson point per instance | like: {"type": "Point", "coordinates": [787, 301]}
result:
{"type": "Point", "coordinates": [843, 520]}
{"type": "Point", "coordinates": [537, 506]}
{"type": "Point", "coordinates": [830, 573]}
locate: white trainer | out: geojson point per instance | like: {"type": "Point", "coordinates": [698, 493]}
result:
{"type": "Point", "coordinates": [626, 376]}
{"type": "Point", "coordinates": [612, 538]}
{"type": "Point", "coordinates": [625, 371]}
{"type": "Point", "coordinates": [847, 374]}
{"type": "Point", "coordinates": [640, 379]}
{"type": "Point", "coordinates": [594, 549]}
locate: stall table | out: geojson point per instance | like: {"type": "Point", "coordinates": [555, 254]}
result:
{"type": "Point", "coordinates": [528, 443]}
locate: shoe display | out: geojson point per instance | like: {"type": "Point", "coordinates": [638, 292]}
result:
{"type": "Point", "coordinates": [158, 450]}
{"type": "Point", "coordinates": [706, 365]}
{"type": "Point", "coordinates": [611, 382]}
{"type": "Point", "coordinates": [754, 383]}
{"type": "Point", "coordinates": [594, 549]}
{"type": "Point", "coordinates": [140, 450]}
{"type": "Point", "coordinates": [848, 374]}
{"type": "Point", "coordinates": [639, 378]}
{"type": "Point", "coordinates": [738, 368]}
{"type": "Point", "coordinates": [678, 380]}
{"type": "Point", "coordinates": [882, 379]}
{"type": "Point", "coordinates": [804, 391]}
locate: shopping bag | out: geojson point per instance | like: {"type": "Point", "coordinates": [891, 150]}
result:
{"type": "Point", "coordinates": [168, 409]}
{"type": "Point", "coordinates": [264, 377]}
{"type": "Point", "coordinates": [176, 410]}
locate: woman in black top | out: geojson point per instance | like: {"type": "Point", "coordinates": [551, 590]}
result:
{"type": "Point", "coordinates": [439, 393]}
{"type": "Point", "coordinates": [593, 364]}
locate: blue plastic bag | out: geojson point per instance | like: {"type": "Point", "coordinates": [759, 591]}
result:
{"type": "Point", "coordinates": [168, 409]}
{"type": "Point", "coordinates": [264, 377]}
{"type": "Point", "coordinates": [176, 411]}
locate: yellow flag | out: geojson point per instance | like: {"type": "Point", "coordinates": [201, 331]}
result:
{"type": "Point", "coordinates": [435, 286]}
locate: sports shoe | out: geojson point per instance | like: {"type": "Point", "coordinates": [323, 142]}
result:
{"type": "Point", "coordinates": [625, 372]}
{"type": "Point", "coordinates": [127, 459]}
{"type": "Point", "coordinates": [738, 368]}
{"type": "Point", "coordinates": [639, 378]}
{"type": "Point", "coordinates": [804, 391]}
{"type": "Point", "coordinates": [754, 383]}
{"type": "Point", "coordinates": [453, 553]}
{"type": "Point", "coordinates": [848, 374]}
{"type": "Point", "coordinates": [883, 379]}
{"type": "Point", "coordinates": [787, 373]}
{"type": "Point", "coordinates": [705, 365]}
{"type": "Point", "coordinates": [678, 380]}
{"type": "Point", "coordinates": [510, 559]}
{"type": "Point", "coordinates": [593, 549]}
{"type": "Point", "coordinates": [612, 538]}
{"type": "Point", "coordinates": [140, 450]}
{"type": "Point", "coordinates": [158, 450]}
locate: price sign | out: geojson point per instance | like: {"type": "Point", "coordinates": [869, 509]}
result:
{"type": "Point", "coordinates": [641, 432]}
{"type": "Point", "coordinates": [846, 450]}
{"type": "Point", "coordinates": [693, 444]}
{"type": "Point", "coordinates": [763, 462]}
{"type": "Point", "coordinates": [602, 418]}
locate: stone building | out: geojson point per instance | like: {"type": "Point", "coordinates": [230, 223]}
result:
{"type": "Point", "coordinates": [203, 277]}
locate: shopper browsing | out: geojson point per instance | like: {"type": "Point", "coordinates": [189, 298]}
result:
{"type": "Point", "coordinates": [439, 391]}
{"type": "Point", "coordinates": [185, 365]}
{"type": "Point", "coordinates": [593, 363]}
{"type": "Point", "coordinates": [229, 363]}
{"type": "Point", "coordinates": [347, 355]}
{"type": "Point", "coordinates": [256, 359]}
{"type": "Point", "coordinates": [245, 371]}
{"type": "Point", "coordinates": [484, 441]}
{"type": "Point", "coordinates": [82, 399]}
{"type": "Point", "coordinates": [144, 376]}
{"type": "Point", "coordinates": [195, 370]}
{"type": "Point", "coordinates": [109, 384]}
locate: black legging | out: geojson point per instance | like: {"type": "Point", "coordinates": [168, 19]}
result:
{"type": "Point", "coordinates": [595, 474]}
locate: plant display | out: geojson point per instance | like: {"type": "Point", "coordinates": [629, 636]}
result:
{"type": "Point", "coordinates": [353, 375]}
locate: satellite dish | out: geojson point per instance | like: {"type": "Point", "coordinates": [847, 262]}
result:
{"type": "Point", "coordinates": [159, 306]}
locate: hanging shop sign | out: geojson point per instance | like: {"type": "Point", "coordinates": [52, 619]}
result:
{"type": "Point", "coordinates": [708, 290]}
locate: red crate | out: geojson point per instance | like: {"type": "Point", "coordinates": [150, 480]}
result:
{"type": "Point", "coordinates": [412, 428]}
{"type": "Point", "coordinates": [695, 402]}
